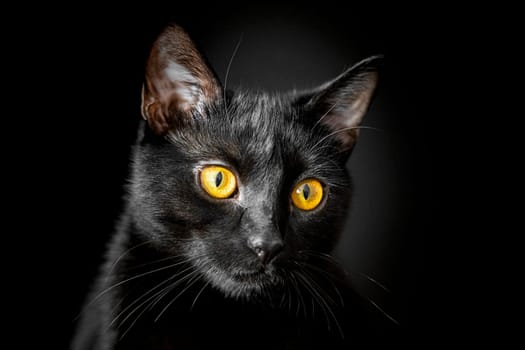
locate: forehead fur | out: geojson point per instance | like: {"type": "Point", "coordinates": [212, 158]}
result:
{"type": "Point", "coordinates": [258, 131]}
{"type": "Point", "coordinates": [252, 123]}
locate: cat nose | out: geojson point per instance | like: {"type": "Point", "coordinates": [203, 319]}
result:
{"type": "Point", "coordinates": [265, 249]}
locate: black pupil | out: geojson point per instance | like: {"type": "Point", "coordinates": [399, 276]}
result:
{"type": "Point", "coordinates": [306, 191]}
{"type": "Point", "coordinates": [218, 179]}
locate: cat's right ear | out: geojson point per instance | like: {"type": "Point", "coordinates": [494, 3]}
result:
{"type": "Point", "coordinates": [340, 104]}
{"type": "Point", "coordinates": [178, 82]}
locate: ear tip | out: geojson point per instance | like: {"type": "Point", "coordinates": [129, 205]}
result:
{"type": "Point", "coordinates": [172, 32]}
{"type": "Point", "coordinates": [371, 64]}
{"type": "Point", "coordinates": [174, 27]}
{"type": "Point", "coordinates": [369, 68]}
{"type": "Point", "coordinates": [376, 57]}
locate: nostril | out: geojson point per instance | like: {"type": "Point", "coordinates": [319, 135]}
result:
{"type": "Point", "coordinates": [258, 250]}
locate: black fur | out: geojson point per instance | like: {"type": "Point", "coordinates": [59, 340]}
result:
{"type": "Point", "coordinates": [179, 273]}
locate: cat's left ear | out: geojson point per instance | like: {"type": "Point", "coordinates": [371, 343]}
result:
{"type": "Point", "coordinates": [340, 104]}
{"type": "Point", "coordinates": [178, 82]}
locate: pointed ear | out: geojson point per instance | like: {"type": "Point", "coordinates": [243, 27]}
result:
{"type": "Point", "coordinates": [340, 105]}
{"type": "Point", "coordinates": [178, 82]}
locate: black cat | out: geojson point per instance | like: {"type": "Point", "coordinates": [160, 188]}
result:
{"type": "Point", "coordinates": [236, 201]}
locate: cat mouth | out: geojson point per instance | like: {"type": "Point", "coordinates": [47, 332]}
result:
{"type": "Point", "coordinates": [249, 276]}
{"type": "Point", "coordinates": [241, 283]}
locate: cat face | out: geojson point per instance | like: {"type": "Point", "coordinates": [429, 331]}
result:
{"type": "Point", "coordinates": [243, 186]}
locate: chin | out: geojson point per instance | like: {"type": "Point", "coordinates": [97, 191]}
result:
{"type": "Point", "coordinates": [247, 285]}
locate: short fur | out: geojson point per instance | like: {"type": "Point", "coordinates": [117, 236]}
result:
{"type": "Point", "coordinates": [179, 273]}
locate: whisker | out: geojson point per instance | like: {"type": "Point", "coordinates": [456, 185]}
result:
{"type": "Point", "coordinates": [167, 290]}
{"type": "Point", "coordinates": [324, 115]}
{"type": "Point", "coordinates": [384, 312]}
{"type": "Point", "coordinates": [324, 274]}
{"type": "Point", "coordinates": [291, 299]}
{"type": "Point", "coordinates": [111, 268]}
{"type": "Point", "coordinates": [326, 306]}
{"type": "Point", "coordinates": [198, 295]}
{"type": "Point", "coordinates": [316, 286]}
{"type": "Point", "coordinates": [162, 293]}
{"type": "Point", "coordinates": [142, 312]}
{"type": "Point", "coordinates": [228, 73]}
{"type": "Point", "coordinates": [124, 254]}
{"type": "Point", "coordinates": [283, 296]}
{"type": "Point", "coordinates": [334, 261]}
{"type": "Point", "coordinates": [175, 284]}
{"type": "Point", "coordinates": [135, 277]}
{"type": "Point", "coordinates": [117, 305]}
{"type": "Point", "coordinates": [306, 284]}
{"type": "Point", "coordinates": [133, 311]}
{"type": "Point", "coordinates": [191, 282]}
{"type": "Point", "coordinates": [373, 281]}
{"type": "Point", "coordinates": [289, 293]}
{"type": "Point", "coordinates": [171, 287]}
{"type": "Point", "coordinates": [144, 295]}
{"type": "Point", "coordinates": [98, 296]}
{"type": "Point", "coordinates": [328, 277]}
{"type": "Point", "coordinates": [325, 256]}
{"type": "Point", "coordinates": [300, 299]}
{"type": "Point", "coordinates": [134, 267]}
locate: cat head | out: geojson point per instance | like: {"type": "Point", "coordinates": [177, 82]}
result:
{"type": "Point", "coordinates": [244, 186]}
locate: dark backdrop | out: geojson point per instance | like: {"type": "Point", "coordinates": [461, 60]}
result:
{"type": "Point", "coordinates": [91, 64]}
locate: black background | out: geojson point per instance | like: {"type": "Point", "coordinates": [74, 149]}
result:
{"type": "Point", "coordinates": [87, 69]}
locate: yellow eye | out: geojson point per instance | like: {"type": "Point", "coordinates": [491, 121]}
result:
{"type": "Point", "coordinates": [218, 181]}
{"type": "Point", "coordinates": [307, 194]}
